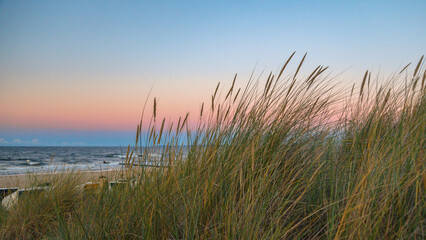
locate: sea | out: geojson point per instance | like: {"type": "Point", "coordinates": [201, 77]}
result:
{"type": "Point", "coordinates": [25, 160]}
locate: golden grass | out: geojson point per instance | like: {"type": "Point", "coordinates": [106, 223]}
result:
{"type": "Point", "coordinates": [294, 158]}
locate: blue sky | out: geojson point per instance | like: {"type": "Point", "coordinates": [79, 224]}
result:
{"type": "Point", "coordinates": [69, 68]}
{"type": "Point", "coordinates": [66, 138]}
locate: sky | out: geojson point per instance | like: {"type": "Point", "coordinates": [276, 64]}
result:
{"type": "Point", "coordinates": [76, 73]}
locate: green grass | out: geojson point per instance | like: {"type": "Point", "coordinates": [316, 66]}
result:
{"type": "Point", "coordinates": [293, 158]}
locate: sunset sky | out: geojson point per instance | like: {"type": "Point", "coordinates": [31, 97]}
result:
{"type": "Point", "coordinates": [77, 73]}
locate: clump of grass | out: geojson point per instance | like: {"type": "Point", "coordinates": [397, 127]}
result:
{"type": "Point", "coordinates": [292, 157]}
{"type": "Point", "coordinates": [38, 213]}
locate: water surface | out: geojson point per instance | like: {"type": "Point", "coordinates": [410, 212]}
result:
{"type": "Point", "coordinates": [21, 160]}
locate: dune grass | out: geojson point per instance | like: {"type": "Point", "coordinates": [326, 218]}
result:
{"type": "Point", "coordinates": [294, 157]}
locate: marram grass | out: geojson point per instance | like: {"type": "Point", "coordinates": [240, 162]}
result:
{"type": "Point", "coordinates": [292, 158]}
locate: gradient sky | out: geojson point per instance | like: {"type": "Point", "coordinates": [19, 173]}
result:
{"type": "Point", "coordinates": [78, 72]}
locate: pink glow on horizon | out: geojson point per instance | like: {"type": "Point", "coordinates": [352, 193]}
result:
{"type": "Point", "coordinates": [81, 117]}
{"type": "Point", "coordinates": [42, 107]}
{"type": "Point", "coordinates": [103, 104]}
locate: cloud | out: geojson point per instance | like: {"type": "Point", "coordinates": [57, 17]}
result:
{"type": "Point", "coordinates": [16, 140]}
{"type": "Point", "coordinates": [2, 140]}
{"type": "Point", "coordinates": [35, 141]}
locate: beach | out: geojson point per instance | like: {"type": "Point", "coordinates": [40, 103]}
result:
{"type": "Point", "coordinates": [26, 180]}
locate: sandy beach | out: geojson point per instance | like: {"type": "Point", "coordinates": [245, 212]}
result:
{"type": "Point", "coordinates": [25, 180]}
